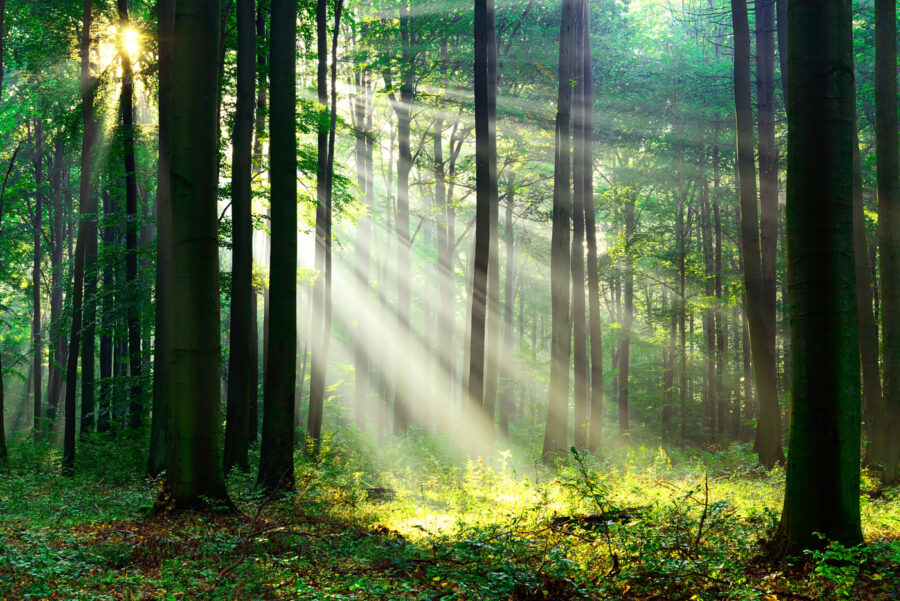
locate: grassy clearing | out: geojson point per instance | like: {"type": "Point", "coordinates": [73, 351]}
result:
{"type": "Point", "coordinates": [642, 524]}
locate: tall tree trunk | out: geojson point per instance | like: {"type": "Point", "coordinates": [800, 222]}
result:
{"type": "Point", "coordinates": [624, 355]}
{"type": "Point", "coordinates": [57, 270]}
{"type": "Point", "coordinates": [886, 450]}
{"type": "Point", "coordinates": [104, 405]}
{"type": "Point", "coordinates": [709, 319]}
{"type": "Point", "coordinates": [402, 398]}
{"type": "Point", "coordinates": [276, 464]}
{"type": "Point", "coordinates": [509, 301]}
{"type": "Point", "coordinates": [36, 343]}
{"type": "Point", "coordinates": [822, 484]}
{"type": "Point", "coordinates": [486, 198]}
{"type": "Point", "coordinates": [363, 245]}
{"type": "Point", "coordinates": [86, 227]}
{"type": "Point", "coordinates": [137, 407]}
{"type": "Point", "coordinates": [586, 158]}
{"type": "Point", "coordinates": [3, 453]}
{"type": "Point", "coordinates": [761, 327]}
{"type": "Point", "coordinates": [555, 435]}
{"type": "Point", "coordinates": [194, 433]}
{"type": "Point", "coordinates": [238, 398]}
{"type": "Point", "coordinates": [579, 321]}
{"type": "Point", "coordinates": [165, 307]}
{"type": "Point", "coordinates": [872, 399]}
{"type": "Point", "coordinates": [319, 362]}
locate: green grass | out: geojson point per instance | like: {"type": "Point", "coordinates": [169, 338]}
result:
{"type": "Point", "coordinates": [665, 525]}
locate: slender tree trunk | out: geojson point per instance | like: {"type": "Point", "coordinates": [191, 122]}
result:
{"type": "Point", "coordinates": [165, 303]}
{"type": "Point", "coordinates": [509, 301]}
{"type": "Point", "coordinates": [57, 244]}
{"type": "Point", "coordinates": [823, 474]}
{"type": "Point", "coordinates": [585, 157]}
{"type": "Point", "coordinates": [486, 196]}
{"type": "Point", "coordinates": [137, 406]}
{"type": "Point", "coordinates": [555, 435]}
{"type": "Point", "coordinates": [318, 334]}
{"type": "Point", "coordinates": [276, 464]}
{"type": "Point", "coordinates": [88, 207]}
{"type": "Point", "coordinates": [363, 245]}
{"type": "Point", "coordinates": [238, 399]}
{"type": "Point", "coordinates": [104, 405]}
{"type": "Point", "coordinates": [194, 434]}
{"type": "Point", "coordinates": [761, 327]}
{"type": "Point", "coordinates": [36, 342]}
{"type": "Point", "coordinates": [873, 402]}
{"type": "Point", "coordinates": [886, 450]}
{"type": "Point", "coordinates": [580, 363]}
{"type": "Point", "coordinates": [3, 452]}
{"type": "Point", "coordinates": [402, 391]}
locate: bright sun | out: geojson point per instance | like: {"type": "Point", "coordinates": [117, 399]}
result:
{"type": "Point", "coordinates": [131, 42]}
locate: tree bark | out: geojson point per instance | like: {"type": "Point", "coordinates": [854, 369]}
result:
{"type": "Point", "coordinates": [276, 466]}
{"type": "Point", "coordinates": [162, 369]}
{"type": "Point", "coordinates": [762, 329]}
{"type": "Point", "coordinates": [36, 342]}
{"type": "Point", "coordinates": [886, 450]}
{"type": "Point", "coordinates": [238, 399]}
{"type": "Point", "coordinates": [823, 473]}
{"type": "Point", "coordinates": [136, 406]}
{"type": "Point", "coordinates": [555, 435]}
{"type": "Point", "coordinates": [87, 207]}
{"type": "Point", "coordinates": [194, 433]}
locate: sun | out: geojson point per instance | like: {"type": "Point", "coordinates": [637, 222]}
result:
{"type": "Point", "coordinates": [131, 42]}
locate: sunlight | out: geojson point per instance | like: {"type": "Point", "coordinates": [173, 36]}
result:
{"type": "Point", "coordinates": [131, 41]}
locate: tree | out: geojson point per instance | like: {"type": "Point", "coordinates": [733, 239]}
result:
{"type": "Point", "coordinates": [238, 399]}
{"type": "Point", "coordinates": [131, 225]}
{"type": "Point", "coordinates": [36, 344]}
{"type": "Point", "coordinates": [164, 301]}
{"type": "Point", "coordinates": [276, 464]}
{"type": "Point", "coordinates": [822, 486]}
{"type": "Point", "coordinates": [87, 207]}
{"type": "Point", "coordinates": [486, 196]}
{"type": "Point", "coordinates": [555, 434]}
{"type": "Point", "coordinates": [886, 448]}
{"type": "Point", "coordinates": [586, 158]}
{"type": "Point", "coordinates": [194, 461]}
{"type": "Point", "coordinates": [762, 330]}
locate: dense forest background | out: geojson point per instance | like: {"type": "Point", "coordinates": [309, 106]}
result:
{"type": "Point", "coordinates": [537, 264]}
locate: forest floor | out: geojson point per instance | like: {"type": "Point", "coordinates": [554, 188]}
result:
{"type": "Point", "coordinates": [640, 525]}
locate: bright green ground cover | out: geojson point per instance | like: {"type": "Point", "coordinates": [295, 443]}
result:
{"type": "Point", "coordinates": [642, 524]}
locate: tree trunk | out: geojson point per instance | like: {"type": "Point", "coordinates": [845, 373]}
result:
{"type": "Point", "coordinates": [555, 435]}
{"type": "Point", "coordinates": [822, 485]}
{"type": "Point", "coordinates": [36, 343]}
{"type": "Point", "coordinates": [486, 196]}
{"type": "Point", "coordinates": [363, 245]}
{"type": "Point", "coordinates": [165, 307]}
{"type": "Point", "coordinates": [104, 405]}
{"type": "Point", "coordinates": [509, 301]}
{"type": "Point", "coordinates": [586, 158]}
{"type": "Point", "coordinates": [276, 464]}
{"type": "Point", "coordinates": [886, 451]}
{"type": "Point", "coordinates": [194, 461]}
{"type": "Point", "coordinates": [628, 316]}
{"type": "Point", "coordinates": [762, 329]}
{"type": "Point", "coordinates": [872, 399]}
{"type": "Point", "coordinates": [87, 207]}
{"type": "Point", "coordinates": [238, 399]}
{"type": "Point", "coordinates": [137, 407]}
{"type": "Point", "coordinates": [580, 363]}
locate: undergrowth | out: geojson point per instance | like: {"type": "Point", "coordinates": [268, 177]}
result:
{"type": "Point", "coordinates": [413, 520]}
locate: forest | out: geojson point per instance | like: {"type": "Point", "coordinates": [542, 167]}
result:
{"type": "Point", "coordinates": [510, 300]}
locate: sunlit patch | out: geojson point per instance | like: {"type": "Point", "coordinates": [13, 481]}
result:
{"type": "Point", "coordinates": [131, 42]}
